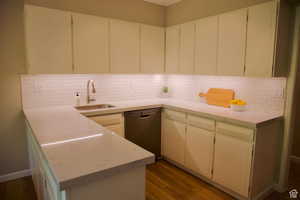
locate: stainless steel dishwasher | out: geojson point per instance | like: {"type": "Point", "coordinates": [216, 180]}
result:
{"type": "Point", "coordinates": [143, 127]}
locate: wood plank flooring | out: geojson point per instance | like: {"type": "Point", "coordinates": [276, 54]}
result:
{"type": "Point", "coordinates": [166, 182]}
{"type": "Point", "coordinates": [20, 189]}
{"type": "Point", "coordinates": [163, 182]}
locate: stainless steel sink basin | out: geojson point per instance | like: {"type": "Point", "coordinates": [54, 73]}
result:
{"type": "Point", "coordinates": [94, 107]}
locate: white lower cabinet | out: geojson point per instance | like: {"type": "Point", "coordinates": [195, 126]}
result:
{"type": "Point", "coordinates": [113, 122]}
{"type": "Point", "coordinates": [232, 163]}
{"type": "Point", "coordinates": [223, 153]}
{"type": "Point", "coordinates": [45, 186]}
{"type": "Point", "coordinates": [199, 150]}
{"type": "Point", "coordinates": [173, 140]}
{"type": "Point", "coordinates": [233, 157]}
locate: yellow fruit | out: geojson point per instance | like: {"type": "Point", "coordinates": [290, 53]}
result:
{"type": "Point", "coordinates": [238, 102]}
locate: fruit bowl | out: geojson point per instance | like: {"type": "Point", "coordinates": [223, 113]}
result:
{"type": "Point", "coordinates": [238, 105]}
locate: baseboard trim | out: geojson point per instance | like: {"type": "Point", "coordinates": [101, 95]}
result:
{"type": "Point", "coordinates": [295, 159]}
{"type": "Point", "coordinates": [264, 194]}
{"type": "Point", "coordinates": [280, 189]}
{"type": "Point", "coordinates": [15, 175]}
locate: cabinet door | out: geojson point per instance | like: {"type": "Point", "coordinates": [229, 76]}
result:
{"type": "Point", "coordinates": [232, 163]}
{"type": "Point", "coordinates": [125, 47]}
{"type": "Point", "coordinates": [116, 128]}
{"type": "Point", "coordinates": [48, 40]}
{"type": "Point", "coordinates": [206, 46]}
{"type": "Point", "coordinates": [199, 150]}
{"type": "Point", "coordinates": [187, 48]}
{"type": "Point", "coordinates": [261, 39]}
{"type": "Point", "coordinates": [172, 49]}
{"type": "Point", "coordinates": [173, 140]}
{"type": "Point", "coordinates": [152, 49]}
{"type": "Point", "coordinates": [232, 43]}
{"type": "Point", "coordinates": [91, 44]}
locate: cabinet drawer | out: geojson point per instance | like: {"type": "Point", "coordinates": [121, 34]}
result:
{"type": "Point", "coordinates": [106, 120]}
{"type": "Point", "coordinates": [116, 128]}
{"type": "Point", "coordinates": [201, 122]}
{"type": "Point", "coordinates": [174, 115]}
{"type": "Point", "coordinates": [237, 132]}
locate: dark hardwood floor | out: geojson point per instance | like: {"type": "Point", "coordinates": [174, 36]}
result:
{"type": "Point", "coordinates": [164, 182]}
{"type": "Point", "coordinates": [20, 189]}
{"type": "Point", "coordinates": [167, 182]}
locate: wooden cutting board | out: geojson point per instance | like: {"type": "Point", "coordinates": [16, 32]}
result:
{"type": "Point", "coordinates": [219, 97]}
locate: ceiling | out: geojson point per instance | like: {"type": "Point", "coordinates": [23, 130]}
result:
{"type": "Point", "coordinates": [163, 2]}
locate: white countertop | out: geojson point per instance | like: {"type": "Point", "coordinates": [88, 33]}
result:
{"type": "Point", "coordinates": [78, 149]}
{"type": "Point", "coordinates": [248, 118]}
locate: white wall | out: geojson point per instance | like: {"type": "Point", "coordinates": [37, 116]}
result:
{"type": "Point", "coordinates": [13, 150]}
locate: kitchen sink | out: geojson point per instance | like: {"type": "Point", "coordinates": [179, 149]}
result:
{"type": "Point", "coordinates": [94, 107]}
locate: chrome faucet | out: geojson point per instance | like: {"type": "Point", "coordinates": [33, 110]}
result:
{"type": "Point", "coordinates": [89, 98]}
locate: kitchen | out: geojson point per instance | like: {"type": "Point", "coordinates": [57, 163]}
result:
{"type": "Point", "coordinates": [114, 96]}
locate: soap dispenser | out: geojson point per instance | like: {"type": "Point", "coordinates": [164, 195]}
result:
{"type": "Point", "coordinates": [77, 99]}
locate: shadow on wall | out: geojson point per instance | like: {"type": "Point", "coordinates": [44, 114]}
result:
{"type": "Point", "coordinates": [296, 135]}
{"type": "Point", "coordinates": [13, 152]}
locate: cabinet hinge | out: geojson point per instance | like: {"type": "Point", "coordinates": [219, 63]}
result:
{"type": "Point", "coordinates": [212, 171]}
{"type": "Point", "coordinates": [214, 140]}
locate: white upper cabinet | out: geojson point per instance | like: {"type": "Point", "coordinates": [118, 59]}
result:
{"type": "Point", "coordinates": [124, 47]}
{"type": "Point", "coordinates": [91, 44]}
{"type": "Point", "coordinates": [187, 48]}
{"type": "Point", "coordinates": [172, 49]}
{"type": "Point", "coordinates": [152, 49]}
{"type": "Point", "coordinates": [206, 46]}
{"type": "Point", "coordinates": [232, 43]}
{"type": "Point", "coordinates": [48, 40]}
{"type": "Point", "coordinates": [248, 42]}
{"type": "Point", "coordinates": [260, 39]}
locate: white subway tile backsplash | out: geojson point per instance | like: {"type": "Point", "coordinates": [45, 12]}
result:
{"type": "Point", "coordinates": [52, 90]}
{"type": "Point", "coordinates": [260, 93]}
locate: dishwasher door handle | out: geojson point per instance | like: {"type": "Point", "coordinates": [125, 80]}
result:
{"type": "Point", "coordinates": [145, 116]}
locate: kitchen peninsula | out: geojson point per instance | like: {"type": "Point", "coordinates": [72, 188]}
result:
{"type": "Point", "coordinates": [72, 157]}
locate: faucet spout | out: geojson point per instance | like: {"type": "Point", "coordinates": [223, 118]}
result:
{"type": "Point", "coordinates": [89, 97]}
